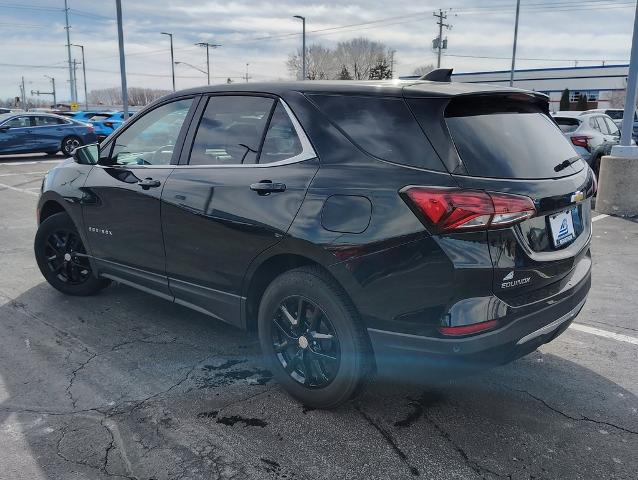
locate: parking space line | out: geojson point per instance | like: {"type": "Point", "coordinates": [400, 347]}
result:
{"type": "Point", "coordinates": [31, 162]}
{"type": "Point", "coordinates": [604, 333]}
{"type": "Point", "coordinates": [16, 189]}
{"type": "Point", "coordinates": [599, 217]}
{"type": "Point", "coordinates": [23, 173]}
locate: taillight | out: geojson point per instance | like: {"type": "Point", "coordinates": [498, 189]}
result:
{"type": "Point", "coordinates": [581, 141]}
{"type": "Point", "coordinates": [108, 124]}
{"type": "Point", "coordinates": [468, 329]}
{"type": "Point", "coordinates": [452, 209]}
{"type": "Point", "coordinates": [91, 128]}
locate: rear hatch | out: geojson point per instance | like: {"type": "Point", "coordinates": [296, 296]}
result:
{"type": "Point", "coordinates": [506, 142]}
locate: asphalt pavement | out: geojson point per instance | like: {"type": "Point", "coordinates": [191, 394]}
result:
{"type": "Point", "coordinates": [125, 385]}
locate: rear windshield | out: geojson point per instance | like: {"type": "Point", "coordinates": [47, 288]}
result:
{"type": "Point", "coordinates": [567, 125]}
{"type": "Point", "coordinates": [384, 127]}
{"type": "Point", "coordinates": [508, 137]}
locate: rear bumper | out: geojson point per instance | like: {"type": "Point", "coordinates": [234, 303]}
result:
{"type": "Point", "coordinates": [530, 329]}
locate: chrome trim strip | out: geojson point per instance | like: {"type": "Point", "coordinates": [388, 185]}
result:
{"type": "Point", "coordinates": [554, 325]}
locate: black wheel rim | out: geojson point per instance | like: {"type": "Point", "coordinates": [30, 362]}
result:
{"type": "Point", "coordinates": [305, 342]}
{"type": "Point", "coordinates": [66, 258]}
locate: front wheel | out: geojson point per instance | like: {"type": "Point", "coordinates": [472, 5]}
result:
{"type": "Point", "coordinates": [62, 258]}
{"type": "Point", "coordinates": [312, 338]}
{"type": "Point", "coordinates": [69, 144]}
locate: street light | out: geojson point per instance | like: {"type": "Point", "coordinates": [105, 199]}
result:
{"type": "Point", "coordinates": [170, 35]}
{"type": "Point", "coordinates": [192, 66]}
{"type": "Point", "coordinates": [303, 47]}
{"type": "Point", "coordinates": [86, 96]}
{"type": "Point", "coordinates": [208, 45]}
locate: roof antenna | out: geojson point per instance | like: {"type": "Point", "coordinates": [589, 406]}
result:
{"type": "Point", "coordinates": [438, 75]}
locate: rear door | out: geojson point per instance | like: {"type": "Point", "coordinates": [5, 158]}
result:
{"type": "Point", "coordinates": [48, 132]}
{"type": "Point", "coordinates": [508, 143]}
{"type": "Point", "coordinates": [241, 180]}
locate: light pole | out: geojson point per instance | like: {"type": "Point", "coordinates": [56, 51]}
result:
{"type": "Point", "coordinates": [303, 46]}
{"type": "Point", "coordinates": [518, 9]}
{"type": "Point", "coordinates": [55, 100]}
{"type": "Point", "coordinates": [208, 45]}
{"type": "Point", "coordinates": [86, 95]}
{"type": "Point", "coordinates": [120, 40]}
{"type": "Point", "coordinates": [192, 66]}
{"type": "Point", "coordinates": [170, 35]}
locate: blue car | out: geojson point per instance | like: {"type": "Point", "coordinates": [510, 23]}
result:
{"type": "Point", "coordinates": [94, 117]}
{"type": "Point", "coordinates": [40, 132]}
{"type": "Point", "coordinates": [105, 127]}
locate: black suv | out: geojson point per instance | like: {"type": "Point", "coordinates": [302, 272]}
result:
{"type": "Point", "coordinates": [354, 225]}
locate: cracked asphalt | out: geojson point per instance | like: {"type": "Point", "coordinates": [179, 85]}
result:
{"type": "Point", "coordinates": [125, 385]}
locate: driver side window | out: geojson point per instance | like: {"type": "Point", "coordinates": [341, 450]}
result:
{"type": "Point", "coordinates": [151, 138]}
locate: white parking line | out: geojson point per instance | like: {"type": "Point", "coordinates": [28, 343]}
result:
{"type": "Point", "coordinates": [23, 190]}
{"type": "Point", "coordinates": [23, 173]}
{"type": "Point", "coordinates": [32, 162]}
{"type": "Point", "coordinates": [599, 217]}
{"type": "Point", "coordinates": [604, 333]}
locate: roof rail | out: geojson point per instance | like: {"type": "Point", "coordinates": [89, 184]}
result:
{"type": "Point", "coordinates": [438, 75]}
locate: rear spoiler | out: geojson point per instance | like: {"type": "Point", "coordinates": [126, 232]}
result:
{"type": "Point", "coordinates": [438, 75]}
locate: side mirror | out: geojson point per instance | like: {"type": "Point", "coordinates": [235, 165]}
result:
{"type": "Point", "coordinates": [87, 154]}
{"type": "Point", "coordinates": [4, 128]}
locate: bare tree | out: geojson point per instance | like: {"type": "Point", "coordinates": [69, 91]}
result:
{"type": "Point", "coordinates": [423, 69]}
{"type": "Point", "coordinates": [359, 55]}
{"type": "Point", "coordinates": [617, 99]}
{"type": "Point", "coordinates": [320, 63]}
{"type": "Point", "coordinates": [137, 96]}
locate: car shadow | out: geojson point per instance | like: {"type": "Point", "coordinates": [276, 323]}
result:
{"type": "Point", "coordinates": [129, 385]}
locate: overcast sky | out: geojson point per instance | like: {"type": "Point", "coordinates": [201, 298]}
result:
{"type": "Point", "coordinates": [262, 33]}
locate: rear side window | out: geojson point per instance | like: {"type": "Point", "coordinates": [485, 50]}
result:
{"type": "Point", "coordinates": [231, 130]}
{"type": "Point", "coordinates": [566, 124]}
{"type": "Point", "coordinates": [508, 137]}
{"type": "Point", "coordinates": [281, 140]}
{"type": "Point", "coordinates": [42, 121]}
{"type": "Point", "coordinates": [383, 127]}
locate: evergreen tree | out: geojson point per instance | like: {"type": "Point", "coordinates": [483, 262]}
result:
{"type": "Point", "coordinates": [381, 70]}
{"type": "Point", "coordinates": [564, 100]}
{"type": "Point", "coordinates": [582, 103]}
{"type": "Point", "coordinates": [344, 74]}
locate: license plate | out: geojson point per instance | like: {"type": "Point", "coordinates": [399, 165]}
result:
{"type": "Point", "coordinates": [562, 227]}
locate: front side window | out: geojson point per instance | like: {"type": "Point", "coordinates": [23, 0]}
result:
{"type": "Point", "coordinates": [281, 140]}
{"type": "Point", "coordinates": [231, 130]}
{"type": "Point", "coordinates": [18, 122]}
{"type": "Point", "coordinates": [150, 140]}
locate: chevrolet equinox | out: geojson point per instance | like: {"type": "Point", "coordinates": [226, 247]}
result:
{"type": "Point", "coordinates": [353, 225]}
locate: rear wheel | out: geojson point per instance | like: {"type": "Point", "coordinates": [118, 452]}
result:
{"type": "Point", "coordinates": [69, 144]}
{"type": "Point", "coordinates": [310, 334]}
{"type": "Point", "coordinates": [62, 258]}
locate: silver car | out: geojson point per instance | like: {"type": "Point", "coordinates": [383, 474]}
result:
{"type": "Point", "coordinates": [591, 134]}
{"type": "Point", "coordinates": [616, 115]}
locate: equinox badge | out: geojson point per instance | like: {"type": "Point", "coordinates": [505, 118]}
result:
{"type": "Point", "coordinates": [508, 281]}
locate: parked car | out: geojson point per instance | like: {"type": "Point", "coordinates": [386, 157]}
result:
{"type": "Point", "coordinates": [108, 125]}
{"type": "Point", "coordinates": [616, 115]}
{"type": "Point", "coordinates": [95, 118]}
{"type": "Point", "coordinates": [40, 132]}
{"type": "Point", "coordinates": [357, 226]}
{"type": "Point", "coordinates": [5, 110]}
{"type": "Point", "coordinates": [591, 134]}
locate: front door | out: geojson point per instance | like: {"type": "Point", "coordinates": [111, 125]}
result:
{"type": "Point", "coordinates": [247, 170]}
{"type": "Point", "coordinates": [16, 135]}
{"type": "Point", "coordinates": [121, 207]}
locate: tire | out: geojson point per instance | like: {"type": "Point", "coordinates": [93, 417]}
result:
{"type": "Point", "coordinates": [595, 165]}
{"type": "Point", "coordinates": [305, 368]}
{"type": "Point", "coordinates": [56, 242]}
{"type": "Point", "coordinates": [69, 144]}
{"type": "Point", "coordinates": [51, 154]}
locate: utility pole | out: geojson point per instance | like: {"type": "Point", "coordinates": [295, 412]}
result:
{"type": "Point", "coordinates": [55, 100]}
{"type": "Point", "coordinates": [86, 96]}
{"type": "Point", "coordinates": [23, 94]}
{"type": "Point", "coordinates": [518, 10]}
{"type": "Point", "coordinates": [170, 35]}
{"type": "Point", "coordinates": [208, 45]}
{"type": "Point", "coordinates": [392, 52]}
{"type": "Point", "coordinates": [303, 46]}
{"type": "Point", "coordinates": [247, 77]}
{"type": "Point", "coordinates": [120, 40]}
{"type": "Point", "coordinates": [439, 43]}
{"type": "Point", "coordinates": [68, 49]}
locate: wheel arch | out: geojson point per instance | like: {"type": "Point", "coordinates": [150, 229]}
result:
{"type": "Point", "coordinates": [263, 274]}
{"type": "Point", "coordinates": [48, 208]}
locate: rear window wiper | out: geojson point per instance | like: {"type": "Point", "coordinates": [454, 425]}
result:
{"type": "Point", "coordinates": [563, 165]}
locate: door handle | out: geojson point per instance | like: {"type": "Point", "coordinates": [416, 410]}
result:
{"type": "Point", "coordinates": [148, 183]}
{"type": "Point", "coordinates": [266, 187]}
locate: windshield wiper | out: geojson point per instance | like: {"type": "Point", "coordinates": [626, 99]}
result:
{"type": "Point", "coordinates": [563, 165]}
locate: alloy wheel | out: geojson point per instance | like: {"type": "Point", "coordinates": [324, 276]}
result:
{"type": "Point", "coordinates": [70, 145]}
{"type": "Point", "coordinates": [305, 342]}
{"type": "Point", "coordinates": [66, 257]}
